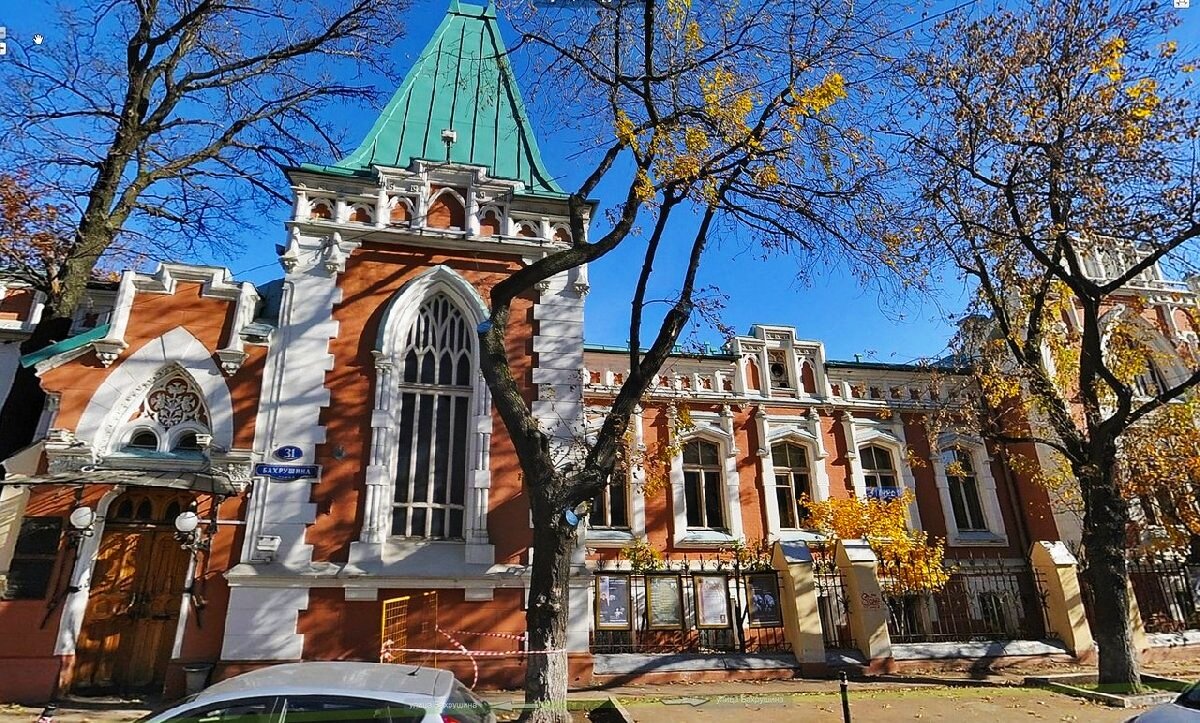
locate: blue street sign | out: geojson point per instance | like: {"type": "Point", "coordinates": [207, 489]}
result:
{"type": "Point", "coordinates": [289, 453]}
{"type": "Point", "coordinates": [884, 493]}
{"type": "Point", "coordinates": [286, 472]}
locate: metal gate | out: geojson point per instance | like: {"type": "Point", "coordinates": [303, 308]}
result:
{"type": "Point", "coordinates": [833, 603]}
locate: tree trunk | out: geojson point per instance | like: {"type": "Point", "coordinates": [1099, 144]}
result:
{"type": "Point", "coordinates": [23, 407]}
{"type": "Point", "coordinates": [1106, 518]}
{"type": "Point", "coordinates": [546, 619]}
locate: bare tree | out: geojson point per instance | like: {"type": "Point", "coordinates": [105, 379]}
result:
{"type": "Point", "coordinates": [710, 119]}
{"type": "Point", "coordinates": [1052, 148]}
{"type": "Point", "coordinates": [157, 125]}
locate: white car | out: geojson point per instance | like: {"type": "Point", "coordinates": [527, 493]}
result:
{"type": "Point", "coordinates": [332, 693]}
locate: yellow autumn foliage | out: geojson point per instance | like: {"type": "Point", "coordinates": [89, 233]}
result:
{"type": "Point", "coordinates": [909, 561]}
{"type": "Point", "coordinates": [1160, 470]}
{"type": "Point", "coordinates": [820, 97]}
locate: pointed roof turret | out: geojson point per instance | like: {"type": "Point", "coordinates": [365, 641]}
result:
{"type": "Point", "coordinates": [461, 83]}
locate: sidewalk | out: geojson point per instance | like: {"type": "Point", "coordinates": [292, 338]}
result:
{"type": "Point", "coordinates": [819, 700]}
{"type": "Point", "coordinates": [874, 700]}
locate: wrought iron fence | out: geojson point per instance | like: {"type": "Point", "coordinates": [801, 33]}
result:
{"type": "Point", "coordinates": [1162, 586]}
{"type": "Point", "coordinates": [833, 603]}
{"type": "Point", "coordinates": [983, 599]}
{"type": "Point", "coordinates": [688, 611]}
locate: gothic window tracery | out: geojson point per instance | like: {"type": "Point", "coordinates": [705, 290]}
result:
{"type": "Point", "coordinates": [435, 411]}
{"type": "Point", "coordinates": [174, 400]}
{"type": "Point", "coordinates": [169, 418]}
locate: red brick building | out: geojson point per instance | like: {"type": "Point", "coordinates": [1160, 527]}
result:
{"type": "Point", "coordinates": [336, 443]}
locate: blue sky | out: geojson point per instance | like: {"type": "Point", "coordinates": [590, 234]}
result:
{"type": "Point", "coordinates": [833, 307]}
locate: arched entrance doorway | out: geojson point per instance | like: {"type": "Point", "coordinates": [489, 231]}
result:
{"type": "Point", "coordinates": [137, 585]}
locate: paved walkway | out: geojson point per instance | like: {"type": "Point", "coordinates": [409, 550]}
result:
{"type": "Point", "coordinates": [877, 701]}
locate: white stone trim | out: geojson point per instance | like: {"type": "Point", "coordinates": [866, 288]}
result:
{"type": "Point", "coordinates": [20, 328]}
{"type": "Point", "coordinates": [216, 282]}
{"type": "Point", "coordinates": [261, 623]}
{"type": "Point", "coordinates": [798, 431]}
{"type": "Point", "coordinates": [126, 385]}
{"type": "Point", "coordinates": [681, 535]}
{"type": "Point", "coordinates": [637, 478]}
{"type": "Point", "coordinates": [293, 395]}
{"type": "Point", "coordinates": [12, 510]}
{"type": "Point", "coordinates": [75, 605]}
{"type": "Point", "coordinates": [989, 499]}
{"type": "Point", "coordinates": [849, 433]}
{"type": "Point", "coordinates": [399, 315]}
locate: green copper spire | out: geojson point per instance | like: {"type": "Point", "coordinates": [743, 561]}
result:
{"type": "Point", "coordinates": [461, 82]}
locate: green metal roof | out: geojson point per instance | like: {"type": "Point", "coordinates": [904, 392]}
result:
{"type": "Point", "coordinates": [72, 342]}
{"type": "Point", "coordinates": [462, 81]}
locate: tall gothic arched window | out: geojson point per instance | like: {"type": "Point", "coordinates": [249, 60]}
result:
{"type": "Point", "coordinates": [435, 405]}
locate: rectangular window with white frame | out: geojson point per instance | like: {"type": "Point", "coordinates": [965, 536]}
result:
{"type": "Point", "coordinates": [704, 486]}
{"type": "Point", "coordinates": [610, 508]}
{"type": "Point", "coordinates": [964, 491]}
{"type": "Point", "coordinates": [792, 483]}
{"type": "Point", "coordinates": [879, 472]}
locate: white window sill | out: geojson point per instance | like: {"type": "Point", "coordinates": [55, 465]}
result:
{"type": "Point", "coordinates": [802, 536]}
{"type": "Point", "coordinates": [607, 537]}
{"type": "Point", "coordinates": [977, 539]}
{"type": "Point", "coordinates": [705, 538]}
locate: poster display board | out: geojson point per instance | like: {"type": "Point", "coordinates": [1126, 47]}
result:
{"type": "Point", "coordinates": [664, 602]}
{"type": "Point", "coordinates": [712, 601]}
{"type": "Point", "coordinates": [613, 602]}
{"type": "Point", "coordinates": [762, 595]}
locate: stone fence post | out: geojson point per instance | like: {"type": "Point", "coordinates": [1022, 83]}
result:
{"type": "Point", "coordinates": [868, 609]}
{"type": "Point", "coordinates": [798, 597]}
{"type": "Point", "coordinates": [1058, 576]}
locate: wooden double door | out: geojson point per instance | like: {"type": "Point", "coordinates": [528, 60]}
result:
{"type": "Point", "coordinates": [133, 605]}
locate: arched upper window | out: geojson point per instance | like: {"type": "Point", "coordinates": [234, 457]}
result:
{"type": "Point", "coordinates": [703, 485]}
{"type": "Point", "coordinates": [321, 209]}
{"type": "Point", "coordinates": [143, 439]}
{"type": "Point", "coordinates": [964, 490]}
{"type": "Point", "coordinates": [791, 482]}
{"type": "Point", "coordinates": [446, 211]}
{"type": "Point", "coordinates": [435, 408]}
{"type": "Point", "coordinates": [879, 472]}
{"type": "Point", "coordinates": [169, 417]}
{"type": "Point", "coordinates": [187, 442]}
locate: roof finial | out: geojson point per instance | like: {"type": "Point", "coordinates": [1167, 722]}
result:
{"type": "Point", "coordinates": [449, 136]}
